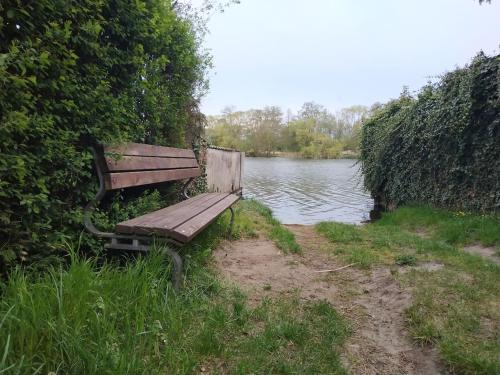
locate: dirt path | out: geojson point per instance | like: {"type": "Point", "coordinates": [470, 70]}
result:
{"type": "Point", "coordinates": [372, 300]}
{"type": "Point", "coordinates": [484, 251]}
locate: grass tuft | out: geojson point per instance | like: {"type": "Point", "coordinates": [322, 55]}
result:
{"type": "Point", "coordinates": [339, 232]}
{"type": "Point", "coordinates": [405, 260]}
{"type": "Point", "coordinates": [259, 219]}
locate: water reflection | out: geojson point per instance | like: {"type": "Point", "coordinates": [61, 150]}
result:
{"type": "Point", "coordinates": [308, 191]}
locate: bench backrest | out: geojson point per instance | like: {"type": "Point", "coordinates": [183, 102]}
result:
{"type": "Point", "coordinates": [136, 164]}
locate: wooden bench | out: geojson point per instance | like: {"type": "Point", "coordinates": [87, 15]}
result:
{"type": "Point", "coordinates": [137, 164]}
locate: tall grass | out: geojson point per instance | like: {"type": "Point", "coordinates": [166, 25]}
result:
{"type": "Point", "coordinates": [90, 318]}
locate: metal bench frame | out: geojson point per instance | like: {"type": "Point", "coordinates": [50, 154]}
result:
{"type": "Point", "coordinates": [136, 243]}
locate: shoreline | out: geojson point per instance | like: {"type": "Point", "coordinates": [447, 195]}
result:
{"type": "Point", "coordinates": [298, 156]}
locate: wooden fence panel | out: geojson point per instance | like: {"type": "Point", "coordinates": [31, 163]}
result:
{"type": "Point", "coordinates": [224, 170]}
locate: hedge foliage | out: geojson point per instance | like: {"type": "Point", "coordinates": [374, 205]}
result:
{"type": "Point", "coordinates": [73, 73]}
{"type": "Point", "coordinates": [441, 147]}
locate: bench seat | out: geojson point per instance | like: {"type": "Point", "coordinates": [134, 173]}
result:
{"type": "Point", "coordinates": [182, 221]}
{"type": "Point", "coordinates": [131, 165]}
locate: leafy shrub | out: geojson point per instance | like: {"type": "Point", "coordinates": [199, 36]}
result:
{"type": "Point", "coordinates": [442, 147]}
{"type": "Point", "coordinates": [73, 74]}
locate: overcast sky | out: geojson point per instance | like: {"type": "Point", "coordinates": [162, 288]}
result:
{"type": "Point", "coordinates": [340, 52]}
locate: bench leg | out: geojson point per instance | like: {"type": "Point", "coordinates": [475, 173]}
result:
{"type": "Point", "coordinates": [231, 223]}
{"type": "Point", "coordinates": [177, 271]}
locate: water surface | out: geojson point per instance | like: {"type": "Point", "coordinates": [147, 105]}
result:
{"type": "Point", "coordinates": [308, 191]}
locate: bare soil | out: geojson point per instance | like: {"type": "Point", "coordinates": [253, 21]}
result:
{"type": "Point", "coordinates": [424, 266]}
{"type": "Point", "coordinates": [484, 251]}
{"type": "Point", "coordinates": [422, 233]}
{"type": "Point", "coordinates": [373, 301]}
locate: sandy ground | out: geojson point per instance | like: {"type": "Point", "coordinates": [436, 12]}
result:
{"type": "Point", "coordinates": [372, 301]}
{"type": "Point", "coordinates": [484, 251]}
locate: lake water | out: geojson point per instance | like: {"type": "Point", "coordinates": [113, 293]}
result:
{"type": "Point", "coordinates": [308, 191]}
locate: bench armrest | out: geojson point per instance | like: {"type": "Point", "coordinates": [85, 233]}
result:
{"type": "Point", "coordinates": [185, 187]}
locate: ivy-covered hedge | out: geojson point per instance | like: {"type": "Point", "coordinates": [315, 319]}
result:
{"type": "Point", "coordinates": [73, 73]}
{"type": "Point", "coordinates": [441, 147]}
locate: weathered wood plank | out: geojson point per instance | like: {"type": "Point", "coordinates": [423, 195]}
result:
{"type": "Point", "coordinates": [165, 225]}
{"type": "Point", "coordinates": [139, 149]}
{"type": "Point", "coordinates": [120, 180]}
{"type": "Point", "coordinates": [224, 170]}
{"type": "Point", "coordinates": [185, 232]}
{"type": "Point", "coordinates": [137, 163]}
{"type": "Point", "coordinates": [128, 226]}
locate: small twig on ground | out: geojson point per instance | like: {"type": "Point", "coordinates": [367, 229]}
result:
{"type": "Point", "coordinates": [336, 269]}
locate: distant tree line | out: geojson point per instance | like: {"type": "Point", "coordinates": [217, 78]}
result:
{"type": "Point", "coordinates": [314, 132]}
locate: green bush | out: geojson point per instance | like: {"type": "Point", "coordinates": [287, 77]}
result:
{"type": "Point", "coordinates": [73, 74]}
{"type": "Point", "coordinates": [442, 147]}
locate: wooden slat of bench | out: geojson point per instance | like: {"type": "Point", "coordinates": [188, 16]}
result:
{"type": "Point", "coordinates": [164, 225]}
{"type": "Point", "coordinates": [185, 232]}
{"type": "Point", "coordinates": [137, 163]}
{"type": "Point", "coordinates": [128, 226]}
{"type": "Point", "coordinates": [174, 217]}
{"type": "Point", "coordinates": [138, 149]}
{"type": "Point", "coordinates": [120, 180]}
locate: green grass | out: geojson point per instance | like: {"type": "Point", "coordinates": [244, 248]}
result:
{"type": "Point", "coordinates": [259, 219]}
{"type": "Point", "coordinates": [456, 228]}
{"type": "Point", "coordinates": [93, 318]}
{"type": "Point", "coordinates": [354, 244]}
{"type": "Point", "coordinates": [406, 260]}
{"type": "Point", "coordinates": [291, 338]}
{"type": "Point", "coordinates": [456, 308]}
